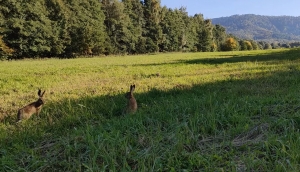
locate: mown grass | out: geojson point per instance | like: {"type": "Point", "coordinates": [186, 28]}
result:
{"type": "Point", "coordinates": [227, 111]}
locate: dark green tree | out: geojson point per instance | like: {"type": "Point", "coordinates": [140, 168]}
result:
{"type": "Point", "coordinates": [243, 46]}
{"type": "Point", "coordinates": [205, 37]}
{"type": "Point", "coordinates": [134, 9]}
{"type": "Point", "coordinates": [274, 45]}
{"type": "Point", "coordinates": [173, 30]}
{"type": "Point", "coordinates": [254, 45]}
{"type": "Point", "coordinates": [195, 28]}
{"type": "Point", "coordinates": [46, 28]}
{"type": "Point", "coordinates": [86, 27]}
{"type": "Point", "coordinates": [152, 29]}
{"type": "Point", "coordinates": [118, 27]}
{"type": "Point", "coordinates": [59, 15]}
{"type": "Point", "coordinates": [28, 28]}
{"type": "Point", "coordinates": [267, 46]}
{"type": "Point", "coordinates": [220, 35]}
{"type": "Point", "coordinates": [53, 28]}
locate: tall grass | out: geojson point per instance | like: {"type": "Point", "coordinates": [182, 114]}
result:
{"type": "Point", "coordinates": [225, 111]}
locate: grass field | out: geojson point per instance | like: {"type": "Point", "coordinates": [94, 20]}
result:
{"type": "Point", "coordinates": [225, 111]}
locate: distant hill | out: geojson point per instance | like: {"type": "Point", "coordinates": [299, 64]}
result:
{"type": "Point", "coordinates": [265, 28]}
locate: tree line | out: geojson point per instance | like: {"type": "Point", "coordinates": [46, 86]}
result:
{"type": "Point", "coordinates": [67, 28]}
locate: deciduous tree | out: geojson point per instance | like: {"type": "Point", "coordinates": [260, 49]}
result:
{"type": "Point", "coordinates": [230, 44]}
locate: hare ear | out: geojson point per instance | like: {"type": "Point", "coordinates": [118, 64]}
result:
{"type": "Point", "coordinates": [132, 87]}
{"type": "Point", "coordinates": [43, 93]}
{"type": "Point", "coordinates": [39, 92]}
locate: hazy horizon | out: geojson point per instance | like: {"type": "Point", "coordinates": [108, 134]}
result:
{"type": "Point", "coordinates": [219, 8]}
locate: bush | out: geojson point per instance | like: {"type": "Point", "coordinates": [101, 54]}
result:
{"type": "Point", "coordinates": [5, 51]}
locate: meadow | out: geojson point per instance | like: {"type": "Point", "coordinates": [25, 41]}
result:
{"type": "Point", "coordinates": [220, 111]}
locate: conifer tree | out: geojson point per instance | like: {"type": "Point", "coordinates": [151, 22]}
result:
{"type": "Point", "coordinates": [152, 30]}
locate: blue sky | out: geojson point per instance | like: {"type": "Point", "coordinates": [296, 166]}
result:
{"type": "Point", "coordinates": [224, 8]}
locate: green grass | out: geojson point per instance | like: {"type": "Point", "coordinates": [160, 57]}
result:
{"type": "Point", "coordinates": [225, 111]}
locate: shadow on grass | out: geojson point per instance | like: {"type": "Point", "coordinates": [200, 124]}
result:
{"type": "Point", "coordinates": [292, 54]}
{"type": "Point", "coordinates": [267, 89]}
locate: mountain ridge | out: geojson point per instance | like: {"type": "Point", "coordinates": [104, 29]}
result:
{"type": "Point", "coordinates": [261, 27]}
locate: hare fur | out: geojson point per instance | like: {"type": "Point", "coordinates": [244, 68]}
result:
{"type": "Point", "coordinates": [33, 108]}
{"type": "Point", "coordinates": [132, 104]}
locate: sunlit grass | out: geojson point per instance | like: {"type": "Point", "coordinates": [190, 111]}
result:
{"type": "Point", "coordinates": [192, 109]}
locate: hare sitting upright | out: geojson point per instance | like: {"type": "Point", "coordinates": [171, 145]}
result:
{"type": "Point", "coordinates": [32, 108]}
{"type": "Point", "coordinates": [132, 105]}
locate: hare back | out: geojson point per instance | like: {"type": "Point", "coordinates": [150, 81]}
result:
{"type": "Point", "coordinates": [132, 105]}
{"type": "Point", "coordinates": [129, 95]}
{"type": "Point", "coordinates": [27, 111]}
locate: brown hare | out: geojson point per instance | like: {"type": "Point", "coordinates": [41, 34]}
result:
{"type": "Point", "coordinates": [132, 105]}
{"type": "Point", "coordinates": [32, 108]}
